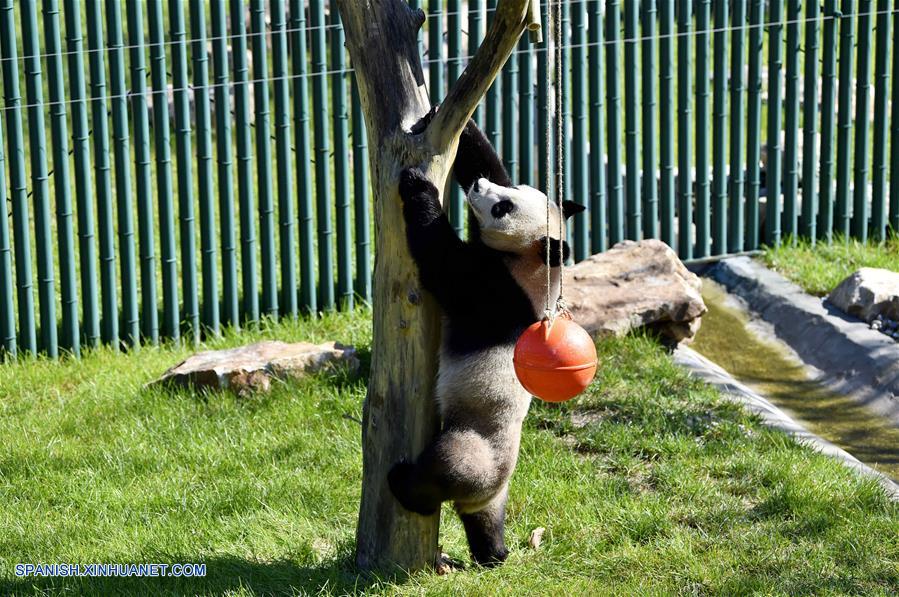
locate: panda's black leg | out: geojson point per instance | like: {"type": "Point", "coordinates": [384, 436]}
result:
{"type": "Point", "coordinates": [414, 490]}
{"type": "Point", "coordinates": [485, 531]}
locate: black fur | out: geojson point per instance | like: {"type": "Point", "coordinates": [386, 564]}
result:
{"type": "Point", "coordinates": [460, 275]}
{"type": "Point", "coordinates": [554, 260]}
{"type": "Point", "coordinates": [476, 159]}
{"type": "Point", "coordinates": [485, 531]}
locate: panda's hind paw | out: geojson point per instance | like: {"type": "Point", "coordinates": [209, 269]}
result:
{"type": "Point", "coordinates": [409, 492]}
{"type": "Point", "coordinates": [414, 184]}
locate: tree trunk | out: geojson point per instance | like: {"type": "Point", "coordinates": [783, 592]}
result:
{"type": "Point", "coordinates": [399, 417]}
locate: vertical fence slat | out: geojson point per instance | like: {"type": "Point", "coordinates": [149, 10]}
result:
{"type": "Point", "coordinates": [598, 238]}
{"type": "Point", "coordinates": [40, 191]}
{"type": "Point", "coordinates": [703, 185]}
{"type": "Point", "coordinates": [204, 167]}
{"type": "Point", "coordinates": [186, 222]}
{"type": "Point", "coordinates": [100, 134]}
{"type": "Point", "coordinates": [719, 132]}
{"type": "Point", "coordinates": [809, 124]}
{"type": "Point", "coordinates": [828, 92]}
{"type": "Point", "coordinates": [18, 186]}
{"type": "Point", "coordinates": [509, 118]}
{"type": "Point", "coordinates": [361, 201]}
{"type": "Point", "coordinates": [612, 47]}
{"type": "Point", "coordinates": [754, 125]}
{"type": "Point", "coordinates": [286, 217]}
{"type": "Point", "coordinates": [648, 71]}
{"type": "Point", "coordinates": [544, 104]}
{"type": "Point", "coordinates": [224, 162]}
{"type": "Point", "coordinates": [322, 153]}
{"type": "Point", "coordinates": [84, 193]}
{"type": "Point", "coordinates": [143, 181]}
{"type": "Point", "coordinates": [308, 298]}
{"type": "Point", "coordinates": [7, 308]}
{"type": "Point", "coordinates": [735, 214]}
{"type": "Point", "coordinates": [631, 122]}
{"type": "Point", "coordinates": [684, 122]}
{"type": "Point", "coordinates": [862, 97]}
{"type": "Point", "coordinates": [245, 188]}
{"type": "Point", "coordinates": [666, 120]}
{"type": "Point", "coordinates": [773, 149]}
{"type": "Point", "coordinates": [266, 214]}
{"type": "Point", "coordinates": [844, 120]}
{"type": "Point", "coordinates": [791, 123]}
{"type": "Point", "coordinates": [475, 35]}
{"type": "Point", "coordinates": [341, 167]}
{"type": "Point", "coordinates": [122, 154]}
{"type": "Point", "coordinates": [579, 157]}
{"type": "Point", "coordinates": [454, 199]}
{"type": "Point", "coordinates": [881, 103]}
{"type": "Point", "coordinates": [69, 336]}
{"type": "Point", "coordinates": [165, 199]}
{"type": "Point", "coordinates": [526, 112]}
{"type": "Point", "coordinates": [894, 134]}
{"type": "Point", "coordinates": [435, 49]}
{"type": "Point", "coordinates": [493, 115]}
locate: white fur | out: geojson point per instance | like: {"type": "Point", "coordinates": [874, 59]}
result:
{"type": "Point", "coordinates": [516, 232]}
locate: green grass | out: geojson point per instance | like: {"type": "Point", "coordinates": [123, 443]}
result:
{"type": "Point", "coordinates": [820, 268]}
{"type": "Point", "coordinates": [648, 483]}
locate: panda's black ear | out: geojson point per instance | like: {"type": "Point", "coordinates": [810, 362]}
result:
{"type": "Point", "coordinates": [554, 260]}
{"type": "Point", "coordinates": [570, 208]}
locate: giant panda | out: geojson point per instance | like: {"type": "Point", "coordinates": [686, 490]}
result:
{"type": "Point", "coordinates": [490, 289]}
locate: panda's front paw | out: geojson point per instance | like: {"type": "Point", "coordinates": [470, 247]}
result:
{"type": "Point", "coordinates": [414, 185]}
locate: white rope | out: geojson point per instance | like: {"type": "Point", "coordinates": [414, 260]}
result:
{"type": "Point", "coordinates": [560, 152]}
{"type": "Point", "coordinates": [547, 307]}
{"type": "Point", "coordinates": [553, 309]}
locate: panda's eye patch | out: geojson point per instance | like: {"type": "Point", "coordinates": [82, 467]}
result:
{"type": "Point", "coordinates": [501, 208]}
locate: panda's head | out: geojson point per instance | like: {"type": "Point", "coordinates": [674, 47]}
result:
{"type": "Point", "coordinates": [513, 219]}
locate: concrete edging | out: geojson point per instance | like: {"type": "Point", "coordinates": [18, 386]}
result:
{"type": "Point", "coordinates": [772, 416]}
{"type": "Point", "coordinates": [854, 359]}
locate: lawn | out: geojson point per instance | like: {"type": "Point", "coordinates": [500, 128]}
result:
{"type": "Point", "coordinates": [819, 268]}
{"type": "Point", "coordinates": [648, 483]}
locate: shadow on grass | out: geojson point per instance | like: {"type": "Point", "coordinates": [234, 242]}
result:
{"type": "Point", "coordinates": [224, 574]}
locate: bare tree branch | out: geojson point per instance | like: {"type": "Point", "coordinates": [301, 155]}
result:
{"type": "Point", "coordinates": [508, 24]}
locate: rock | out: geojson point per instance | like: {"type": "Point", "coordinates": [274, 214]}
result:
{"type": "Point", "coordinates": [867, 293]}
{"type": "Point", "coordinates": [635, 284]}
{"type": "Point", "coordinates": [536, 537]}
{"type": "Point", "coordinates": [250, 369]}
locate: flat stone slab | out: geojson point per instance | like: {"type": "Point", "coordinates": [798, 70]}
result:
{"type": "Point", "coordinates": [771, 415]}
{"type": "Point", "coordinates": [635, 284]}
{"type": "Point", "coordinates": [867, 293]}
{"type": "Point", "coordinates": [251, 368]}
{"type": "Point", "coordinates": [855, 360]}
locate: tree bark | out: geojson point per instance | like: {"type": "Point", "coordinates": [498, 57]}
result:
{"type": "Point", "coordinates": [399, 416]}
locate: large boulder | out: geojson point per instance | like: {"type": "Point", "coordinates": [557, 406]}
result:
{"type": "Point", "coordinates": [867, 293]}
{"type": "Point", "coordinates": [251, 368]}
{"type": "Point", "coordinates": [635, 284]}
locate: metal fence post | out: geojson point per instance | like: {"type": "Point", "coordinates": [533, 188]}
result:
{"type": "Point", "coordinates": [286, 219]}
{"type": "Point", "coordinates": [308, 295]}
{"type": "Point", "coordinates": [754, 126]}
{"type": "Point", "coordinates": [70, 336]}
{"type": "Point", "coordinates": [159, 74]}
{"type": "Point", "coordinates": [143, 182]}
{"type": "Point", "coordinates": [223, 140]}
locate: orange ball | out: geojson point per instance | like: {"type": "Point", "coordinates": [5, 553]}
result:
{"type": "Point", "coordinates": [555, 362]}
